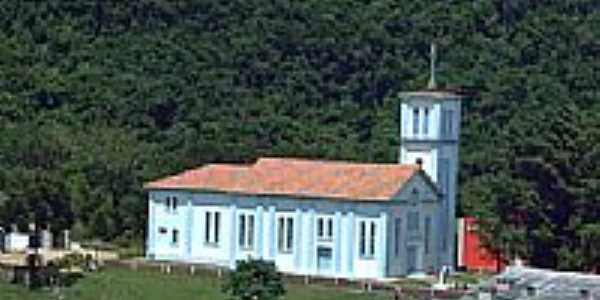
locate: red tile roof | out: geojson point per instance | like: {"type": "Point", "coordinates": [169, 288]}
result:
{"type": "Point", "coordinates": [296, 177]}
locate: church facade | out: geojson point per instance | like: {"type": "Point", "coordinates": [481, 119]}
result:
{"type": "Point", "coordinates": [322, 218]}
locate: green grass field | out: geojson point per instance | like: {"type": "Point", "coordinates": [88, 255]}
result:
{"type": "Point", "coordinates": [121, 284]}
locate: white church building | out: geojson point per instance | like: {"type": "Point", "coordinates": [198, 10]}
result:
{"type": "Point", "coordinates": [322, 218]}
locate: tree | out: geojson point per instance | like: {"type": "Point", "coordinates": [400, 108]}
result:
{"type": "Point", "coordinates": [98, 97]}
{"type": "Point", "coordinates": [590, 240]}
{"type": "Point", "coordinates": [254, 280]}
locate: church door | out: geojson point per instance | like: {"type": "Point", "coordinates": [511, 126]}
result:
{"type": "Point", "coordinates": [411, 259]}
{"type": "Point", "coordinates": [324, 255]}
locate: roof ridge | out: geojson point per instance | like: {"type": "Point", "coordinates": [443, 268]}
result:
{"type": "Point", "coordinates": [325, 161]}
{"type": "Point", "coordinates": [229, 165]}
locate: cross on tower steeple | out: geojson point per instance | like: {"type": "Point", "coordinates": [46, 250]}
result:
{"type": "Point", "coordinates": [432, 56]}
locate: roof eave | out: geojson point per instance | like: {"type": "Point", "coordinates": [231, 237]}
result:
{"type": "Point", "coordinates": [239, 193]}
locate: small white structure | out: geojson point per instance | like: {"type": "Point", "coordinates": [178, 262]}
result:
{"type": "Point", "coordinates": [46, 239]}
{"type": "Point", "coordinates": [66, 239]}
{"type": "Point", "coordinates": [16, 242]}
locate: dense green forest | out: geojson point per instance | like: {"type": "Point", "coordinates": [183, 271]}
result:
{"type": "Point", "coordinates": [97, 97]}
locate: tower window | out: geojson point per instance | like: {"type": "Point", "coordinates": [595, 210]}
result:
{"type": "Point", "coordinates": [416, 121]}
{"type": "Point", "coordinates": [447, 122]}
{"type": "Point", "coordinates": [426, 121]}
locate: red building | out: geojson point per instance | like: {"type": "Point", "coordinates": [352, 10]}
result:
{"type": "Point", "coordinates": [472, 255]}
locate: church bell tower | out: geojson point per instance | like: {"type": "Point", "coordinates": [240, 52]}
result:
{"type": "Point", "coordinates": [429, 134]}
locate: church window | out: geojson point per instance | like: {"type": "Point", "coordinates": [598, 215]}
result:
{"type": "Point", "coordinates": [207, 225]}
{"type": "Point", "coordinates": [426, 121]}
{"type": "Point", "coordinates": [325, 228]}
{"type": "Point", "coordinates": [175, 237]}
{"type": "Point", "coordinates": [443, 124]}
{"type": "Point", "coordinates": [367, 234]}
{"type": "Point", "coordinates": [363, 241]}
{"type": "Point", "coordinates": [397, 230]}
{"type": "Point", "coordinates": [246, 231]}
{"type": "Point", "coordinates": [413, 221]}
{"type": "Point", "coordinates": [289, 233]}
{"type": "Point", "coordinates": [320, 227]}
{"type": "Point", "coordinates": [427, 233]}
{"type": "Point", "coordinates": [171, 204]}
{"type": "Point", "coordinates": [443, 179]}
{"type": "Point", "coordinates": [285, 233]}
{"type": "Point", "coordinates": [217, 226]}
{"type": "Point", "coordinates": [212, 222]}
{"type": "Point", "coordinates": [447, 122]}
{"type": "Point", "coordinates": [416, 121]}
{"type": "Point", "coordinates": [405, 122]}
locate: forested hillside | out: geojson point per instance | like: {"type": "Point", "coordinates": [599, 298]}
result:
{"type": "Point", "coordinates": [97, 97]}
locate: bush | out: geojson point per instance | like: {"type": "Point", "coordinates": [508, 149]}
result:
{"type": "Point", "coordinates": [70, 261]}
{"type": "Point", "coordinates": [254, 280]}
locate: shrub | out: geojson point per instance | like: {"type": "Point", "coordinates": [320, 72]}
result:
{"type": "Point", "coordinates": [254, 280]}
